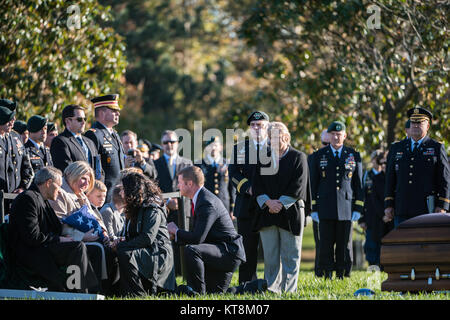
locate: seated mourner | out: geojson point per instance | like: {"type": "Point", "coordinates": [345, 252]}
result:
{"type": "Point", "coordinates": [35, 234]}
{"type": "Point", "coordinates": [78, 180]}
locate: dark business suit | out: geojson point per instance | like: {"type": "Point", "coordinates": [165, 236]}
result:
{"type": "Point", "coordinates": [214, 249]}
{"type": "Point", "coordinates": [34, 232]}
{"type": "Point", "coordinates": [336, 186]}
{"type": "Point", "coordinates": [65, 149]}
{"type": "Point", "coordinates": [167, 184]}
{"type": "Point", "coordinates": [242, 170]}
{"type": "Point", "coordinates": [39, 158]}
{"type": "Point", "coordinates": [111, 152]}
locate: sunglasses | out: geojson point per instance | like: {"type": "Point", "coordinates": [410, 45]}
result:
{"type": "Point", "coordinates": [170, 141]}
{"type": "Point", "coordinates": [80, 119]}
{"type": "Point", "coordinates": [325, 143]}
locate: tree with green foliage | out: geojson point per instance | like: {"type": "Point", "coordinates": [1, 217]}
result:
{"type": "Point", "coordinates": [363, 62]}
{"type": "Point", "coordinates": [55, 52]}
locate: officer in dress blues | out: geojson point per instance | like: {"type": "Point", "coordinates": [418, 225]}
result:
{"type": "Point", "coordinates": [417, 173]}
{"type": "Point", "coordinates": [39, 154]}
{"type": "Point", "coordinates": [215, 170]}
{"type": "Point", "coordinates": [16, 172]}
{"type": "Point", "coordinates": [106, 139]}
{"type": "Point", "coordinates": [245, 160]}
{"type": "Point", "coordinates": [336, 173]}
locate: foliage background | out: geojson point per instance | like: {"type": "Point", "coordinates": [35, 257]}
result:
{"type": "Point", "coordinates": [305, 63]}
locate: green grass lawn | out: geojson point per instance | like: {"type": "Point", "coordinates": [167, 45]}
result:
{"type": "Point", "coordinates": [313, 288]}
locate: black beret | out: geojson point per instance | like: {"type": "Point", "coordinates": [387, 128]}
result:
{"type": "Point", "coordinates": [8, 104]}
{"type": "Point", "coordinates": [212, 140]}
{"type": "Point", "coordinates": [20, 126]}
{"type": "Point", "coordinates": [155, 147]}
{"type": "Point", "coordinates": [6, 115]}
{"type": "Point", "coordinates": [257, 115]}
{"type": "Point", "coordinates": [418, 114]}
{"type": "Point", "coordinates": [111, 101]}
{"type": "Point", "coordinates": [51, 126]}
{"type": "Point", "coordinates": [36, 123]}
{"type": "Point", "coordinates": [336, 126]}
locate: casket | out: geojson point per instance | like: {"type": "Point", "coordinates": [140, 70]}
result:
{"type": "Point", "coordinates": [416, 255]}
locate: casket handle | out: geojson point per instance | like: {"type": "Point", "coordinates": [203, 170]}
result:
{"type": "Point", "coordinates": [413, 274]}
{"type": "Point", "coordinates": [437, 274]}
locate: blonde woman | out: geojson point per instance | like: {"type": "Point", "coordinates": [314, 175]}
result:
{"type": "Point", "coordinates": [78, 180]}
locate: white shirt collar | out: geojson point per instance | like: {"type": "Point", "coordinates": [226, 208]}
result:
{"type": "Point", "coordinates": [260, 143]}
{"type": "Point", "coordinates": [194, 199]}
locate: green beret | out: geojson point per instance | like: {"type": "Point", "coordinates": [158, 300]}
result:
{"type": "Point", "coordinates": [8, 104]}
{"type": "Point", "coordinates": [6, 115]}
{"type": "Point", "coordinates": [20, 126]}
{"type": "Point", "coordinates": [36, 123]}
{"type": "Point", "coordinates": [336, 126]}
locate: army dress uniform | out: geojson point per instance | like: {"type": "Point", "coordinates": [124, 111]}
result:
{"type": "Point", "coordinates": [336, 192]}
{"type": "Point", "coordinates": [217, 181]}
{"type": "Point", "coordinates": [108, 145]}
{"type": "Point", "coordinates": [242, 170]}
{"type": "Point", "coordinates": [414, 175]}
{"type": "Point", "coordinates": [15, 167]}
{"type": "Point", "coordinates": [39, 156]}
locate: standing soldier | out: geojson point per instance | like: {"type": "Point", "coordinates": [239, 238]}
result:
{"type": "Point", "coordinates": [215, 170]}
{"type": "Point", "coordinates": [417, 174]}
{"type": "Point", "coordinates": [16, 172]}
{"type": "Point", "coordinates": [21, 128]}
{"type": "Point", "coordinates": [106, 139]}
{"type": "Point", "coordinates": [242, 169]}
{"type": "Point", "coordinates": [52, 131]}
{"type": "Point", "coordinates": [337, 199]}
{"type": "Point", "coordinates": [38, 152]}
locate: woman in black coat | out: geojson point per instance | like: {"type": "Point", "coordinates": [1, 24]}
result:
{"type": "Point", "coordinates": [282, 196]}
{"type": "Point", "coordinates": [145, 257]}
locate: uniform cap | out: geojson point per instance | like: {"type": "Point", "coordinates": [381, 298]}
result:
{"type": "Point", "coordinates": [418, 114]}
{"type": "Point", "coordinates": [6, 115]}
{"type": "Point", "coordinates": [111, 101]}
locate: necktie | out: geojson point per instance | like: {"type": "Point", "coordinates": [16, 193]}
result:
{"type": "Point", "coordinates": [415, 147]}
{"type": "Point", "coordinates": [171, 167]}
{"type": "Point", "coordinates": [336, 155]}
{"type": "Point", "coordinates": [86, 150]}
{"type": "Point", "coordinates": [192, 208]}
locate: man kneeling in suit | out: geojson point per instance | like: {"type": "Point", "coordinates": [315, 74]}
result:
{"type": "Point", "coordinates": [214, 249]}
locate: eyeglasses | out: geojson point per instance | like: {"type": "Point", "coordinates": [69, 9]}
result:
{"type": "Point", "coordinates": [80, 119]}
{"type": "Point", "coordinates": [170, 141]}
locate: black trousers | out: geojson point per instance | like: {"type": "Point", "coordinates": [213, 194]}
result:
{"type": "Point", "coordinates": [210, 267]}
{"type": "Point", "coordinates": [132, 282]}
{"type": "Point", "coordinates": [46, 261]}
{"type": "Point", "coordinates": [250, 239]}
{"type": "Point", "coordinates": [317, 270]}
{"type": "Point", "coordinates": [334, 238]}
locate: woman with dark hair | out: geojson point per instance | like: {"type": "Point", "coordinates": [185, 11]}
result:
{"type": "Point", "coordinates": [145, 257]}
